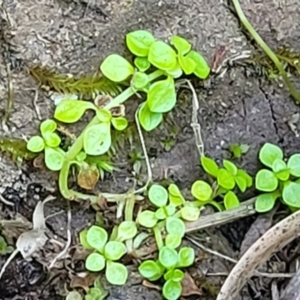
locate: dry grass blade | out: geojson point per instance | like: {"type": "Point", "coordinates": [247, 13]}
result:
{"type": "Point", "coordinates": [89, 85]}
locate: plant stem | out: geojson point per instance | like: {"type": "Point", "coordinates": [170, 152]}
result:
{"type": "Point", "coordinates": [267, 49]}
{"type": "Point", "coordinates": [129, 206]}
{"type": "Point", "coordinates": [158, 237]}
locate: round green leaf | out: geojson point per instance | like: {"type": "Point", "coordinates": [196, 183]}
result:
{"type": "Point", "coordinates": [175, 72]}
{"type": "Point", "coordinates": [186, 257]}
{"type": "Point", "coordinates": [173, 240]}
{"type": "Point", "coordinates": [174, 275]}
{"type": "Point", "coordinates": [74, 295]}
{"type": "Point", "coordinates": [283, 175]}
{"type": "Point", "coordinates": [126, 231]}
{"type": "Point", "coordinates": [181, 44]}
{"type": "Point", "coordinates": [139, 42]}
{"type": "Point", "coordinates": [95, 262]}
{"type": "Point", "coordinates": [202, 69]}
{"type": "Point", "coordinates": [175, 225]}
{"type": "Point", "coordinates": [187, 64]}
{"type": "Point", "coordinates": [116, 273]}
{"type": "Point", "coordinates": [168, 257]}
{"type": "Point", "coordinates": [291, 194]}
{"type": "Point", "coordinates": [140, 80]}
{"type": "Point", "coordinates": [147, 219]}
{"type": "Point", "coordinates": [142, 63]}
{"type": "Point", "coordinates": [150, 269]}
{"type": "Point", "coordinates": [231, 200]}
{"type": "Point", "coordinates": [175, 196]}
{"type": "Point", "coordinates": [269, 153]}
{"type": "Point", "coordinates": [83, 240]}
{"type": "Point", "coordinates": [241, 183]}
{"type": "Point", "coordinates": [209, 166]}
{"type": "Point", "coordinates": [161, 96]}
{"type": "Point", "coordinates": [48, 126]}
{"type": "Point", "coordinates": [70, 111]}
{"type": "Point", "coordinates": [225, 179]}
{"type": "Point", "coordinates": [201, 190]}
{"type": "Point", "coordinates": [116, 68]}
{"type": "Point", "coordinates": [104, 115]}
{"type": "Point", "coordinates": [265, 202]}
{"type": "Point", "coordinates": [148, 119]}
{"type": "Point", "coordinates": [190, 213]}
{"type": "Point", "coordinates": [119, 123]}
{"type": "Point", "coordinates": [266, 181]}
{"type": "Point", "coordinates": [230, 167]}
{"type": "Point", "coordinates": [172, 290]}
{"type": "Point", "coordinates": [170, 210]}
{"type": "Point", "coordinates": [97, 139]}
{"type": "Point", "coordinates": [52, 139]}
{"type": "Point", "coordinates": [114, 250]}
{"type": "Point", "coordinates": [246, 176]}
{"type": "Point", "coordinates": [36, 144]}
{"type": "Point", "coordinates": [162, 56]}
{"type": "Point", "coordinates": [97, 237]}
{"type": "Point", "coordinates": [294, 165]}
{"type": "Point", "coordinates": [158, 195]}
{"type": "Point", "coordinates": [54, 158]}
{"type": "Point", "coordinates": [278, 165]}
{"type": "Point", "coordinates": [161, 213]}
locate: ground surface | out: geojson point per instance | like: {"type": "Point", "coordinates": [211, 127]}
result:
{"type": "Point", "coordinates": [75, 38]}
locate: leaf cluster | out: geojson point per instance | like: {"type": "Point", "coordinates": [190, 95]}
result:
{"type": "Point", "coordinates": [280, 181]}
{"type": "Point", "coordinates": [227, 179]}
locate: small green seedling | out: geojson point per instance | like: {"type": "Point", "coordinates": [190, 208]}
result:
{"type": "Point", "coordinates": [226, 180]}
{"type": "Point", "coordinates": [279, 181]}
{"type": "Point", "coordinates": [238, 150]}
{"type": "Point", "coordinates": [168, 265]}
{"type": "Point", "coordinates": [4, 248]}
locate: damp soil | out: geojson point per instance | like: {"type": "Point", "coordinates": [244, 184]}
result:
{"type": "Point", "coordinates": [74, 37]}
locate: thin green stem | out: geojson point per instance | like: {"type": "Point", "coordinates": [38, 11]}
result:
{"type": "Point", "coordinates": [129, 206]}
{"type": "Point", "coordinates": [266, 48]}
{"type": "Point", "coordinates": [158, 237]}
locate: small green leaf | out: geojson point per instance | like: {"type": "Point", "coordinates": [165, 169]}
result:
{"type": "Point", "coordinates": [294, 165]}
{"type": "Point", "coordinates": [126, 231]}
{"type": "Point", "coordinates": [116, 68]}
{"type": "Point", "coordinates": [148, 119]}
{"type": "Point", "coordinates": [283, 175]}
{"type": "Point", "coordinates": [209, 166]}
{"type": "Point", "coordinates": [246, 176]}
{"type": "Point", "coordinates": [97, 237]}
{"type": "Point", "coordinates": [52, 139]}
{"type": "Point", "coordinates": [48, 126]}
{"type": "Point", "coordinates": [54, 158]}
{"type": "Point", "coordinates": [36, 144]}
{"type": "Point", "coordinates": [202, 69]}
{"type": "Point", "coordinates": [278, 165]}
{"type": "Point", "coordinates": [116, 273]}
{"type": "Point", "coordinates": [190, 213]}
{"type": "Point", "coordinates": [70, 111]}
{"type": "Point", "coordinates": [104, 115]}
{"type": "Point", "coordinates": [83, 240]}
{"type": "Point", "coordinates": [161, 96]}
{"type": "Point", "coordinates": [172, 290]}
{"type": "Point", "coordinates": [147, 219]}
{"type": "Point", "coordinates": [238, 149]}
{"type": "Point", "coordinates": [161, 214]}
{"type": "Point", "coordinates": [142, 63]}
{"type": "Point", "coordinates": [230, 167]}
{"type": "Point", "coordinates": [186, 257]}
{"type": "Point", "coordinates": [225, 179]}
{"type": "Point", "coordinates": [97, 139]}
{"type": "Point", "coordinates": [74, 295]}
{"type": "Point", "coordinates": [170, 210]}
{"type": "Point", "coordinates": [175, 196]}
{"type": "Point", "coordinates": [269, 153]}
{"type": "Point", "coordinates": [162, 56]}
{"type": "Point", "coordinates": [266, 181]}
{"type": "Point", "coordinates": [231, 200]}
{"type": "Point", "coordinates": [175, 225]}
{"type": "Point", "coordinates": [265, 202]}
{"type": "Point", "coordinates": [140, 80]}
{"type": "Point", "coordinates": [168, 257]}
{"type": "Point", "coordinates": [139, 42]}
{"type": "Point", "coordinates": [241, 183]}
{"type": "Point", "coordinates": [95, 262]}
{"type": "Point", "coordinates": [175, 275]}
{"type": "Point", "coordinates": [187, 64]}
{"type": "Point", "coordinates": [95, 293]}
{"type": "Point", "coordinates": [114, 250]}
{"type": "Point", "coordinates": [201, 190]}
{"type": "Point", "coordinates": [181, 44]}
{"type": "Point", "coordinates": [291, 194]}
{"type": "Point", "coordinates": [119, 123]}
{"type": "Point", "coordinates": [158, 195]}
{"type": "Point", "coordinates": [173, 240]}
{"type": "Point", "coordinates": [150, 270]}
{"type": "Point", "coordinates": [175, 72]}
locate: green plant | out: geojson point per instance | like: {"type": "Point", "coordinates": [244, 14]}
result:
{"type": "Point", "coordinates": [4, 248]}
{"type": "Point", "coordinates": [226, 180]}
{"type": "Point", "coordinates": [168, 265]}
{"type": "Point", "coordinates": [158, 85]}
{"type": "Point", "coordinates": [238, 150]}
{"type": "Point", "coordinates": [279, 181]}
